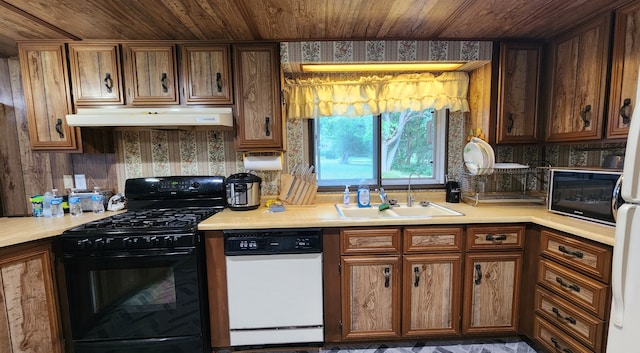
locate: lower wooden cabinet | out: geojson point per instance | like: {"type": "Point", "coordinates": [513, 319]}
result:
{"type": "Point", "coordinates": [371, 297]}
{"type": "Point", "coordinates": [431, 293]}
{"type": "Point", "coordinates": [491, 297]}
{"type": "Point", "coordinates": [392, 291]}
{"type": "Point", "coordinates": [29, 318]}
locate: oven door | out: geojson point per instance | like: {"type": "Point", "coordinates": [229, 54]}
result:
{"type": "Point", "coordinates": [129, 295]}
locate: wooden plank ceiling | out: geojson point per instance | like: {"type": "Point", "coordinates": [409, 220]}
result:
{"type": "Point", "coordinates": [286, 20]}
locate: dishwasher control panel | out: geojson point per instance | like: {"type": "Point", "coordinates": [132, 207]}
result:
{"type": "Point", "coordinates": [273, 241]}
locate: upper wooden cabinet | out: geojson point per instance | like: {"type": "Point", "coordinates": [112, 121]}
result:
{"type": "Point", "coordinates": [96, 74]}
{"type": "Point", "coordinates": [151, 75]}
{"type": "Point", "coordinates": [624, 70]}
{"type": "Point", "coordinates": [579, 70]}
{"type": "Point", "coordinates": [45, 83]}
{"type": "Point", "coordinates": [206, 74]}
{"type": "Point", "coordinates": [257, 91]}
{"type": "Point", "coordinates": [519, 74]}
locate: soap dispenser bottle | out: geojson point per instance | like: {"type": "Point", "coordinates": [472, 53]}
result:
{"type": "Point", "coordinates": [346, 198]}
{"type": "Point", "coordinates": [364, 196]}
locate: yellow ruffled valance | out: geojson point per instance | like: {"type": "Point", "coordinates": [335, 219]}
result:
{"type": "Point", "coordinates": [335, 96]}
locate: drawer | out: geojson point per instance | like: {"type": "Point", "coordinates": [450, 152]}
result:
{"type": "Point", "coordinates": [585, 327]}
{"type": "Point", "coordinates": [426, 239]}
{"type": "Point", "coordinates": [592, 259]}
{"type": "Point", "coordinates": [554, 340]}
{"type": "Point", "coordinates": [370, 241]}
{"type": "Point", "coordinates": [574, 287]}
{"type": "Point", "coordinates": [495, 237]}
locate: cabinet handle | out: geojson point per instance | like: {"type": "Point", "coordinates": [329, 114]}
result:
{"type": "Point", "coordinates": [584, 114]}
{"type": "Point", "coordinates": [566, 285]}
{"type": "Point", "coordinates": [108, 82]}
{"type": "Point", "coordinates": [478, 274]}
{"type": "Point", "coordinates": [163, 80]}
{"type": "Point", "coordinates": [576, 253]}
{"type": "Point", "coordinates": [416, 276]}
{"type": "Point", "coordinates": [625, 111]}
{"type": "Point", "coordinates": [267, 132]}
{"type": "Point", "coordinates": [569, 319]}
{"type": "Point", "coordinates": [491, 237]}
{"type": "Point", "coordinates": [510, 126]}
{"type": "Point", "coordinates": [59, 128]}
{"type": "Point", "coordinates": [219, 81]}
{"type": "Point", "coordinates": [387, 276]}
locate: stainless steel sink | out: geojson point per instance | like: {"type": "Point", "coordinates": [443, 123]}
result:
{"type": "Point", "coordinates": [425, 210]}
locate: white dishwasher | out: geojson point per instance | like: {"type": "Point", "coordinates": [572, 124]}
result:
{"type": "Point", "coordinates": [274, 286]}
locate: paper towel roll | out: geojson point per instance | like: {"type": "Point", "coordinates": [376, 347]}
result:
{"type": "Point", "coordinates": [263, 162]}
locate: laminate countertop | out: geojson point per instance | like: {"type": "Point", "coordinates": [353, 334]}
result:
{"type": "Point", "coordinates": [17, 230]}
{"type": "Point", "coordinates": [324, 214]}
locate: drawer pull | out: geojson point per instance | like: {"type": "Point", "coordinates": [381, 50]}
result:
{"type": "Point", "coordinates": [387, 277]}
{"type": "Point", "coordinates": [219, 81]}
{"type": "Point", "coordinates": [59, 128]}
{"type": "Point", "coordinates": [557, 346]}
{"type": "Point", "coordinates": [576, 253]}
{"type": "Point", "coordinates": [566, 285]}
{"type": "Point", "coordinates": [416, 276]}
{"type": "Point", "coordinates": [163, 82]}
{"type": "Point", "coordinates": [491, 237]}
{"type": "Point", "coordinates": [568, 319]}
{"type": "Point", "coordinates": [478, 279]}
{"type": "Point", "coordinates": [108, 82]}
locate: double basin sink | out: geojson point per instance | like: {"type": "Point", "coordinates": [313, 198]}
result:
{"type": "Point", "coordinates": [422, 210]}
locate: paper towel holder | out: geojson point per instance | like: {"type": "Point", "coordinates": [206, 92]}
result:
{"type": "Point", "coordinates": [263, 160]}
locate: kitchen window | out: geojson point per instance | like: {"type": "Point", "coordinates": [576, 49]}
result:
{"type": "Point", "coordinates": [378, 130]}
{"type": "Point", "coordinates": [380, 150]}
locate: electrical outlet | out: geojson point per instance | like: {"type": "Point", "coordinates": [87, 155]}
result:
{"type": "Point", "coordinates": [68, 181]}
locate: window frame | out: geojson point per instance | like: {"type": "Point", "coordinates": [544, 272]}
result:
{"type": "Point", "coordinates": [440, 148]}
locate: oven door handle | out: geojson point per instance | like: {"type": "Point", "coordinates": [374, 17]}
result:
{"type": "Point", "coordinates": [128, 255]}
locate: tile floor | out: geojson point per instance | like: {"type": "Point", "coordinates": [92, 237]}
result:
{"type": "Point", "coordinates": [506, 345]}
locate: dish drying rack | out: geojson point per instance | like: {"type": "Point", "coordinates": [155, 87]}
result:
{"type": "Point", "coordinates": [517, 185]}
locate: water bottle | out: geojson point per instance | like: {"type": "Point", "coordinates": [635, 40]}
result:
{"type": "Point", "coordinates": [75, 208]}
{"type": "Point", "coordinates": [56, 207]}
{"type": "Point", "coordinates": [97, 200]}
{"type": "Point", "coordinates": [46, 204]}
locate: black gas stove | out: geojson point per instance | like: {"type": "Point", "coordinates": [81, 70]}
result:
{"type": "Point", "coordinates": [136, 281]}
{"type": "Point", "coordinates": [162, 212]}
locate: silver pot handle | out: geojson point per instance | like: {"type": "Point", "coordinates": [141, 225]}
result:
{"type": "Point", "coordinates": [614, 200]}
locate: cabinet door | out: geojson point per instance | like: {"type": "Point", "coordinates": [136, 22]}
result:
{"type": "Point", "coordinates": [95, 73]}
{"type": "Point", "coordinates": [518, 100]}
{"type": "Point", "coordinates": [370, 297]}
{"type": "Point", "coordinates": [624, 70]}
{"type": "Point", "coordinates": [28, 309]}
{"type": "Point", "coordinates": [491, 298]}
{"type": "Point", "coordinates": [47, 97]}
{"type": "Point", "coordinates": [206, 73]}
{"type": "Point", "coordinates": [578, 83]}
{"type": "Point", "coordinates": [257, 89]}
{"type": "Point", "coordinates": [151, 74]}
{"type": "Point", "coordinates": [431, 295]}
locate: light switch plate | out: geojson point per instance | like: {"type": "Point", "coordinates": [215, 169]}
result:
{"type": "Point", "coordinates": [81, 181]}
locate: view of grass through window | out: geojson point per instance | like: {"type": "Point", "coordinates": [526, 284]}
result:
{"type": "Point", "coordinates": [347, 150]}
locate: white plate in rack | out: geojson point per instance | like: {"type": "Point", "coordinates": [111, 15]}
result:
{"type": "Point", "coordinates": [510, 166]}
{"type": "Point", "coordinates": [474, 158]}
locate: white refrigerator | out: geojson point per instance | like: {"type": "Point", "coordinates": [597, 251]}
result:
{"type": "Point", "coordinates": [624, 324]}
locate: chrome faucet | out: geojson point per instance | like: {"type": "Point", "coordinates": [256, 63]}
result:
{"type": "Point", "coordinates": [410, 197]}
{"type": "Point", "coordinates": [383, 195]}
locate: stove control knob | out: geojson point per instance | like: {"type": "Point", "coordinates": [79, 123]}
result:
{"type": "Point", "coordinates": [169, 241]}
{"type": "Point", "coordinates": [100, 243]}
{"type": "Point", "coordinates": [85, 243]}
{"type": "Point", "coordinates": [127, 242]}
{"type": "Point", "coordinates": [155, 241]}
{"type": "Point", "coordinates": [195, 185]}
